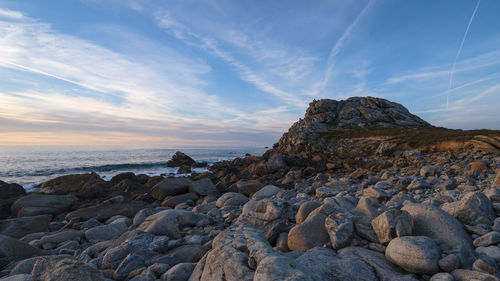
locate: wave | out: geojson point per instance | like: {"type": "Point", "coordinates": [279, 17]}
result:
{"type": "Point", "coordinates": [93, 168]}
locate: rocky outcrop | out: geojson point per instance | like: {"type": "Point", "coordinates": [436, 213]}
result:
{"type": "Point", "coordinates": [330, 115]}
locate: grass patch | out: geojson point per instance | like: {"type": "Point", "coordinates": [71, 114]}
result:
{"type": "Point", "coordinates": [414, 136]}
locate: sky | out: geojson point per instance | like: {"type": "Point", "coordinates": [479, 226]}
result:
{"type": "Point", "coordinates": [236, 73]}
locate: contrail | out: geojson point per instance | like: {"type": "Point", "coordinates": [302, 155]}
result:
{"type": "Point", "coordinates": [340, 42]}
{"type": "Point", "coordinates": [450, 82]}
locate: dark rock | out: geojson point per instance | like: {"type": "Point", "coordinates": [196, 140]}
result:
{"type": "Point", "coordinates": [122, 176]}
{"type": "Point", "coordinates": [184, 169]}
{"type": "Point", "coordinates": [173, 201]}
{"type": "Point", "coordinates": [19, 227]}
{"type": "Point", "coordinates": [12, 249]}
{"type": "Point", "coordinates": [41, 204]}
{"type": "Point", "coordinates": [170, 187]}
{"type": "Point", "coordinates": [105, 211]}
{"type": "Point", "coordinates": [12, 190]}
{"type": "Point", "coordinates": [83, 185]}
{"type": "Point", "coordinates": [180, 159]}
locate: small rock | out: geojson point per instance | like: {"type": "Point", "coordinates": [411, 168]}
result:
{"type": "Point", "coordinates": [449, 263]}
{"type": "Point", "coordinates": [487, 239]}
{"type": "Point", "coordinates": [490, 251]}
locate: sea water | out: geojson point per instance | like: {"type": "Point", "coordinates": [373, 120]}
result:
{"type": "Point", "coordinates": [32, 165]}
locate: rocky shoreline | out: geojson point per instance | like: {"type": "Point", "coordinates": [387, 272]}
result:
{"type": "Point", "coordinates": [311, 208]}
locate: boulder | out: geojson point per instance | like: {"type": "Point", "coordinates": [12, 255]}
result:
{"type": "Point", "coordinates": [268, 215]}
{"type": "Point", "coordinates": [168, 222]}
{"type": "Point", "coordinates": [105, 211]}
{"type": "Point", "coordinates": [248, 187]}
{"type": "Point", "coordinates": [11, 190]}
{"type": "Point", "coordinates": [173, 201]}
{"type": "Point", "coordinates": [415, 254]}
{"type": "Point", "coordinates": [106, 232]}
{"type": "Point", "coordinates": [129, 264]}
{"type": "Point", "coordinates": [170, 187]}
{"type": "Point", "coordinates": [19, 227]}
{"type": "Point", "coordinates": [179, 272]}
{"type": "Point", "coordinates": [275, 162]}
{"type": "Point", "coordinates": [180, 159]}
{"type": "Point", "coordinates": [309, 234]}
{"type": "Point", "coordinates": [63, 236]}
{"type": "Point", "coordinates": [383, 269]}
{"type": "Point", "coordinates": [41, 204]}
{"type": "Point", "coordinates": [80, 184]}
{"type": "Point", "coordinates": [305, 209]}
{"type": "Point", "coordinates": [182, 254]}
{"type": "Point", "coordinates": [228, 259]}
{"type": "Point", "coordinates": [231, 199]}
{"type": "Point", "coordinates": [433, 222]}
{"type": "Point", "coordinates": [66, 269]}
{"type": "Point", "coordinates": [391, 224]}
{"type": "Point", "coordinates": [474, 208]}
{"type": "Point", "coordinates": [266, 192]}
{"type": "Point", "coordinates": [203, 187]}
{"type": "Point", "coordinates": [12, 250]}
{"type": "Point", "coordinates": [340, 229]}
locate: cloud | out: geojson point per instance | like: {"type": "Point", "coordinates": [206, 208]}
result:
{"type": "Point", "coordinates": [272, 65]}
{"type": "Point", "coordinates": [11, 14]}
{"type": "Point", "coordinates": [162, 91]}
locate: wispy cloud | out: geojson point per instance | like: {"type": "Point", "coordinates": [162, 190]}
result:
{"type": "Point", "coordinates": [164, 93]}
{"type": "Point", "coordinates": [11, 14]}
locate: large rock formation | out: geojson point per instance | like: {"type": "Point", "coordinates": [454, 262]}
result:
{"type": "Point", "coordinates": [327, 115]}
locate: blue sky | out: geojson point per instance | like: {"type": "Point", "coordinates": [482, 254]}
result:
{"type": "Point", "coordinates": [236, 73]}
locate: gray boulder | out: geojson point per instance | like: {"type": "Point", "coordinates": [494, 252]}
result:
{"type": "Point", "coordinates": [170, 187]}
{"type": "Point", "coordinates": [391, 224]}
{"type": "Point", "coordinates": [266, 192]}
{"type": "Point", "coordinates": [41, 204]}
{"type": "Point", "coordinates": [66, 269]}
{"type": "Point", "coordinates": [309, 234]}
{"type": "Point", "coordinates": [433, 222]}
{"type": "Point", "coordinates": [415, 254]}
{"type": "Point", "coordinates": [20, 227]}
{"type": "Point", "coordinates": [248, 187]}
{"type": "Point", "coordinates": [168, 222]}
{"type": "Point", "coordinates": [179, 272]}
{"type": "Point", "coordinates": [474, 208]}
{"type": "Point", "coordinates": [106, 232]}
{"type": "Point", "coordinates": [12, 249]}
{"type": "Point", "coordinates": [340, 229]}
{"type": "Point", "coordinates": [231, 199]}
{"type": "Point", "coordinates": [203, 187]}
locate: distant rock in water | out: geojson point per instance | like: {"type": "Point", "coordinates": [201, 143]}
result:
{"type": "Point", "coordinates": [180, 159]}
{"type": "Point", "coordinates": [328, 115]}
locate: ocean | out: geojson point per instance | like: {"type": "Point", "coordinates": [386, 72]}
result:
{"type": "Point", "coordinates": [32, 165]}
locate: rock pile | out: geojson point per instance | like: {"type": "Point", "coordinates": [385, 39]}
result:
{"type": "Point", "coordinates": [410, 215]}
